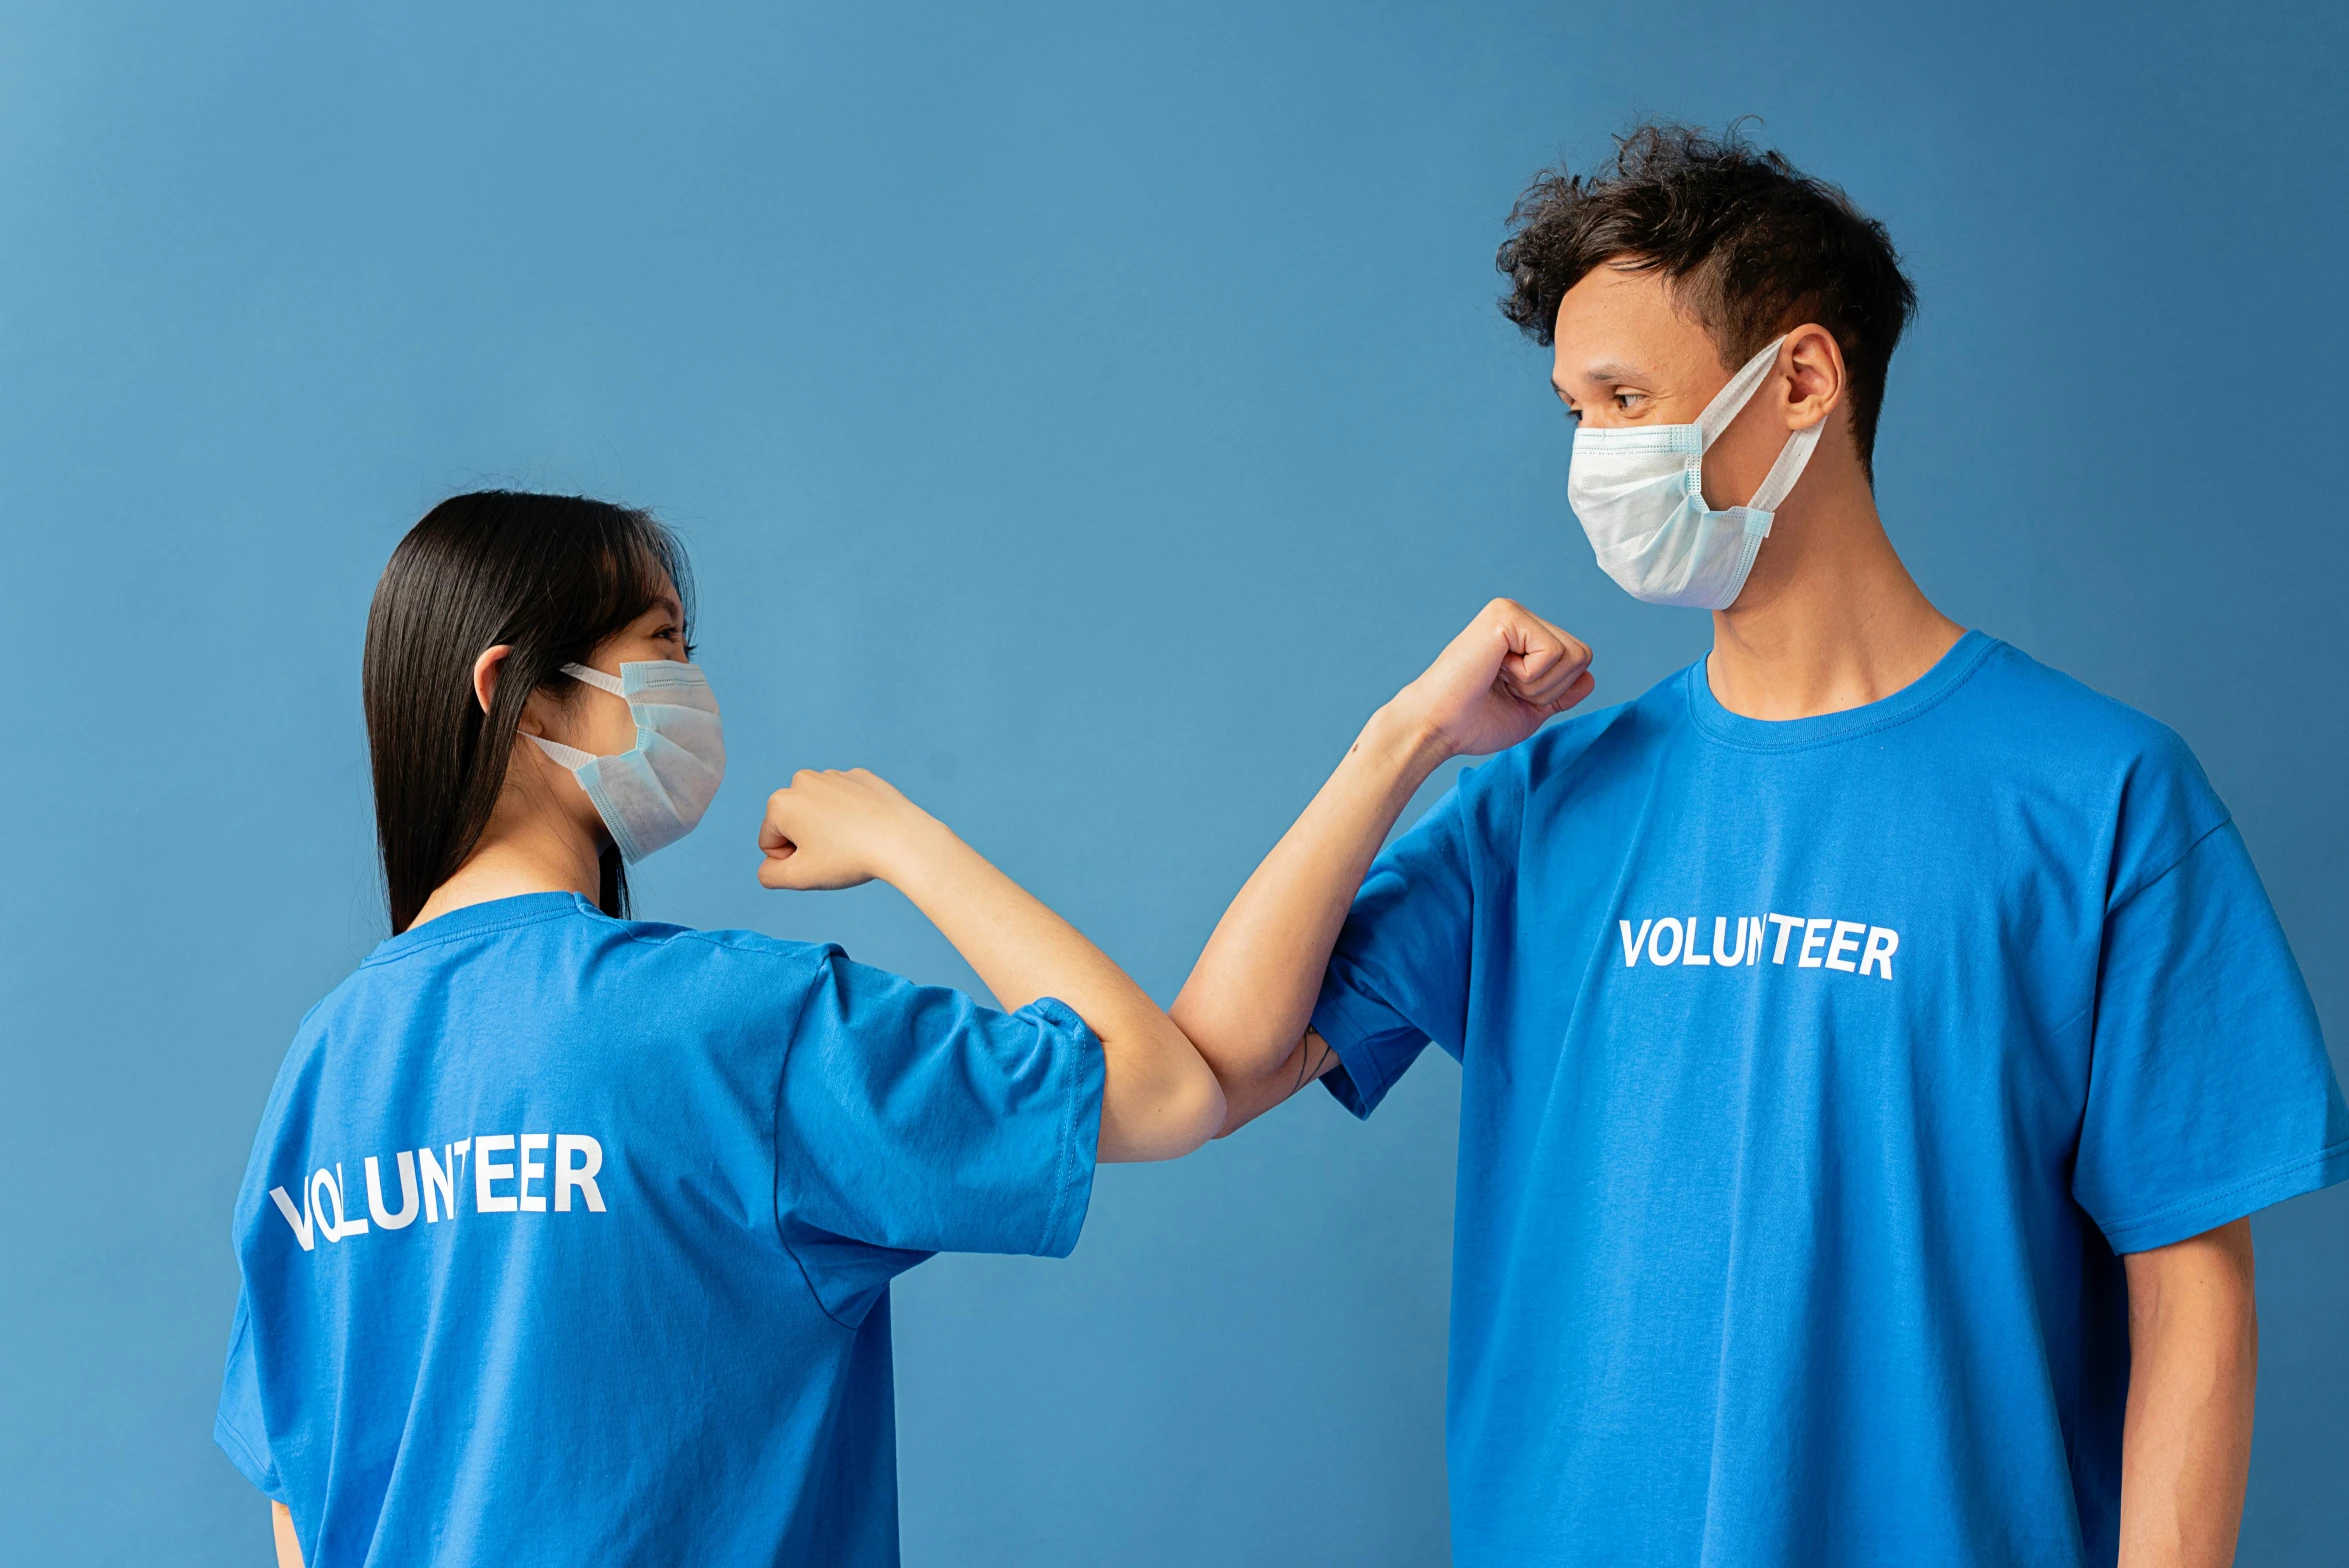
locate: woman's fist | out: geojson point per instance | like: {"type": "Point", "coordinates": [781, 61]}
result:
{"type": "Point", "coordinates": [831, 829]}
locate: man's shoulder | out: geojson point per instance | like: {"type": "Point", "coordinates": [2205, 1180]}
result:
{"type": "Point", "coordinates": [2026, 716]}
{"type": "Point", "coordinates": [1558, 748]}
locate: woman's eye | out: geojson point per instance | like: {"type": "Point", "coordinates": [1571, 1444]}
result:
{"type": "Point", "coordinates": [1626, 401]}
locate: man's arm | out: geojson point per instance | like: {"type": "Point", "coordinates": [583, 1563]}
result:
{"type": "Point", "coordinates": [1250, 996]}
{"type": "Point", "coordinates": [831, 830]}
{"type": "Point", "coordinates": [2193, 1368]}
{"type": "Point", "coordinates": [281, 1530]}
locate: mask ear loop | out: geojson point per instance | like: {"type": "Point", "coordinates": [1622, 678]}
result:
{"type": "Point", "coordinates": [571, 756]}
{"type": "Point", "coordinates": [1791, 460]}
{"type": "Point", "coordinates": [597, 678]}
{"type": "Point", "coordinates": [1731, 400]}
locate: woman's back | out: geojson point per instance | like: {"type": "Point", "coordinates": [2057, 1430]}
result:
{"type": "Point", "coordinates": [567, 1238]}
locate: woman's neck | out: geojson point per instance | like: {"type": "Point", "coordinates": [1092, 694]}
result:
{"type": "Point", "coordinates": [537, 852]}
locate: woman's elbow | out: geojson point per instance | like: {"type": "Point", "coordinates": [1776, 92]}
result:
{"type": "Point", "coordinates": [1163, 1112]}
{"type": "Point", "coordinates": [1201, 1110]}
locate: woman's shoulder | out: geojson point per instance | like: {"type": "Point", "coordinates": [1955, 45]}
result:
{"type": "Point", "coordinates": [553, 960]}
{"type": "Point", "coordinates": [731, 946]}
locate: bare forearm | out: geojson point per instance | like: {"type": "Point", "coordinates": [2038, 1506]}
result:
{"type": "Point", "coordinates": [2194, 1364]}
{"type": "Point", "coordinates": [1160, 1100]}
{"type": "Point", "coordinates": [1250, 996]}
{"type": "Point", "coordinates": [1020, 948]}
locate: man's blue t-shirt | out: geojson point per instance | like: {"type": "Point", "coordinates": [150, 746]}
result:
{"type": "Point", "coordinates": [1813, 1076]}
{"type": "Point", "coordinates": [568, 1239]}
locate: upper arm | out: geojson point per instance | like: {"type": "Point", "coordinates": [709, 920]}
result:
{"type": "Point", "coordinates": [1400, 973]}
{"type": "Point", "coordinates": [1244, 1101]}
{"type": "Point", "coordinates": [2209, 1092]}
{"type": "Point", "coordinates": [281, 1525]}
{"type": "Point", "coordinates": [2214, 1268]}
{"type": "Point", "coordinates": [911, 1117]}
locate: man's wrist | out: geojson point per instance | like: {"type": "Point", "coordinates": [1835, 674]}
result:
{"type": "Point", "coordinates": [1402, 740]}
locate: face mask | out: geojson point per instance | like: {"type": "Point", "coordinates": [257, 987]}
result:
{"type": "Point", "coordinates": [1639, 492]}
{"type": "Point", "coordinates": [651, 795]}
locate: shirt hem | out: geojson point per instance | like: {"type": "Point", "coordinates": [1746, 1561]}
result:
{"type": "Point", "coordinates": [1354, 1083]}
{"type": "Point", "coordinates": [2210, 1210]}
{"type": "Point", "coordinates": [1065, 1224]}
{"type": "Point", "coordinates": [249, 1465]}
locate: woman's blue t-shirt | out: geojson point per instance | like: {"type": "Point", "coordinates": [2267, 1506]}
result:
{"type": "Point", "coordinates": [568, 1239]}
{"type": "Point", "coordinates": [1814, 1075]}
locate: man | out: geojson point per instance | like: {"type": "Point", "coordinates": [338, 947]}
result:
{"type": "Point", "coordinates": [1871, 1041]}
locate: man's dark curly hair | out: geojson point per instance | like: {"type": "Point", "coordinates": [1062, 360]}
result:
{"type": "Point", "coordinates": [1749, 244]}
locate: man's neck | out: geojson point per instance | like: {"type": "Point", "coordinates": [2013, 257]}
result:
{"type": "Point", "coordinates": [1830, 618]}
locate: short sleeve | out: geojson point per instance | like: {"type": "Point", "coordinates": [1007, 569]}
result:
{"type": "Point", "coordinates": [912, 1118]}
{"type": "Point", "coordinates": [1398, 976]}
{"type": "Point", "coordinates": [237, 1426]}
{"type": "Point", "coordinates": [2210, 1095]}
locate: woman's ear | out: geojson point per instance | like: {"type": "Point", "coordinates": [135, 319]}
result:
{"type": "Point", "coordinates": [486, 670]}
{"type": "Point", "coordinates": [1815, 375]}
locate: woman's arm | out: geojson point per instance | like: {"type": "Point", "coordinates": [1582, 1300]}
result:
{"type": "Point", "coordinates": [281, 1524]}
{"type": "Point", "coordinates": [831, 830]}
{"type": "Point", "coordinates": [2193, 1369]}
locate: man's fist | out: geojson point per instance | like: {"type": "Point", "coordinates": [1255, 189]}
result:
{"type": "Point", "coordinates": [830, 830]}
{"type": "Point", "coordinates": [1498, 681]}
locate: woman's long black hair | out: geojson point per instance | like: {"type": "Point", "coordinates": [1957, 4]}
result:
{"type": "Point", "coordinates": [551, 575]}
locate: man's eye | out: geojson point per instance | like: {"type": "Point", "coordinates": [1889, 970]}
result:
{"type": "Point", "coordinates": [1627, 400]}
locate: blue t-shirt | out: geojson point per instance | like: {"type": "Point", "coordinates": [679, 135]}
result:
{"type": "Point", "coordinates": [1813, 1075]}
{"type": "Point", "coordinates": [568, 1239]}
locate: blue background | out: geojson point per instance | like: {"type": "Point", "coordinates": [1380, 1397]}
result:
{"type": "Point", "coordinates": [1084, 416]}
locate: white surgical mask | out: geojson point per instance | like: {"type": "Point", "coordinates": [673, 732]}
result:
{"type": "Point", "coordinates": [652, 794]}
{"type": "Point", "coordinates": [1639, 491]}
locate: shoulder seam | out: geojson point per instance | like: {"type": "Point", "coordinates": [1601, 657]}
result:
{"type": "Point", "coordinates": [2113, 905]}
{"type": "Point", "coordinates": [775, 1150]}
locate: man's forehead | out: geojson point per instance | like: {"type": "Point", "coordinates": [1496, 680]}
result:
{"type": "Point", "coordinates": [1618, 324]}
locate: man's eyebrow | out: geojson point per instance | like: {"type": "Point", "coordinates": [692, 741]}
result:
{"type": "Point", "coordinates": [1605, 373]}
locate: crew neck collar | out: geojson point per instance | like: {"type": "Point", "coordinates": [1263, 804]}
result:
{"type": "Point", "coordinates": [491, 915]}
{"type": "Point", "coordinates": [1735, 729]}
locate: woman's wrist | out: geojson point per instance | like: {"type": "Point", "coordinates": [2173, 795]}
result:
{"type": "Point", "coordinates": [918, 853]}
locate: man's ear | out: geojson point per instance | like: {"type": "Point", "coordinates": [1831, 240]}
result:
{"type": "Point", "coordinates": [486, 670]}
{"type": "Point", "coordinates": [1816, 379]}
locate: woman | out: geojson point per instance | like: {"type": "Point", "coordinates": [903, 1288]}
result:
{"type": "Point", "coordinates": [568, 1238]}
